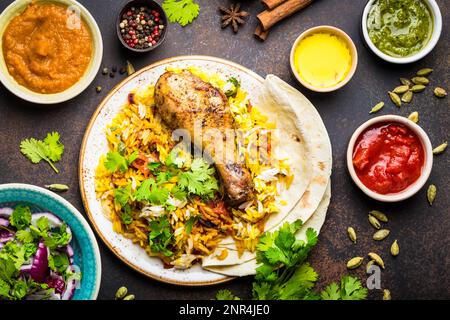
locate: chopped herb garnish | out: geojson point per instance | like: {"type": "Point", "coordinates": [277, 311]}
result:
{"type": "Point", "coordinates": [49, 150]}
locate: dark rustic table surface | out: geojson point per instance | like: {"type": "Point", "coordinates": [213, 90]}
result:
{"type": "Point", "coordinates": [421, 271]}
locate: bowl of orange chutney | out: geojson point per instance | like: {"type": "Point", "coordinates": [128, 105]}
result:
{"type": "Point", "coordinates": [50, 50]}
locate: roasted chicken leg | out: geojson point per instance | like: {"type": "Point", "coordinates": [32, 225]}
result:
{"type": "Point", "coordinates": [184, 101]}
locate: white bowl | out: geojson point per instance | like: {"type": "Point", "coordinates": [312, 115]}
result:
{"type": "Point", "coordinates": [437, 29]}
{"type": "Point", "coordinates": [11, 84]}
{"type": "Point", "coordinates": [337, 32]}
{"type": "Point", "coordinates": [426, 170]}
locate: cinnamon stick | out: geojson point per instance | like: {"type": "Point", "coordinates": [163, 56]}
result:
{"type": "Point", "coordinates": [269, 18]}
{"type": "Point", "coordinates": [260, 33]}
{"type": "Point", "coordinates": [271, 4]}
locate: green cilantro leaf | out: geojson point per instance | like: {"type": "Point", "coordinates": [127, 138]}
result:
{"type": "Point", "coordinates": [58, 237]}
{"type": "Point", "coordinates": [151, 192]}
{"type": "Point", "coordinates": [226, 295]}
{"type": "Point", "coordinates": [350, 288]}
{"type": "Point", "coordinates": [20, 289]}
{"type": "Point", "coordinates": [58, 262]}
{"type": "Point", "coordinates": [49, 150]}
{"type": "Point", "coordinates": [20, 218]}
{"type": "Point", "coordinates": [154, 166]}
{"type": "Point", "coordinates": [199, 180]}
{"type": "Point", "coordinates": [122, 195]}
{"type": "Point", "coordinates": [232, 87]}
{"type": "Point", "coordinates": [115, 161]}
{"type": "Point", "coordinates": [4, 289]}
{"type": "Point", "coordinates": [160, 236]}
{"type": "Point", "coordinates": [331, 292]}
{"type": "Point", "coordinates": [181, 11]}
{"type": "Point", "coordinates": [55, 148]}
{"type": "Point", "coordinates": [190, 224]}
{"type": "Point", "coordinates": [126, 215]}
{"type": "Point", "coordinates": [24, 236]}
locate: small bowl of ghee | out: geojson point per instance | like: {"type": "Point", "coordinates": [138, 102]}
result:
{"type": "Point", "coordinates": [324, 58]}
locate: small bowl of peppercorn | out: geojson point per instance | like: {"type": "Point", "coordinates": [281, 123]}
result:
{"type": "Point", "coordinates": [142, 25]}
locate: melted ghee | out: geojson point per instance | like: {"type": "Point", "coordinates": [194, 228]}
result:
{"type": "Point", "coordinates": [322, 59]}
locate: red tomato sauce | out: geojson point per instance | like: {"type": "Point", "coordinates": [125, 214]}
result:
{"type": "Point", "coordinates": [388, 157]}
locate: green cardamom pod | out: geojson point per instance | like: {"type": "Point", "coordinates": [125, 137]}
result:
{"type": "Point", "coordinates": [431, 194]}
{"type": "Point", "coordinates": [418, 88]}
{"type": "Point", "coordinates": [420, 80]}
{"type": "Point", "coordinates": [369, 265]}
{"type": "Point", "coordinates": [129, 297]}
{"type": "Point", "coordinates": [407, 96]}
{"type": "Point", "coordinates": [401, 89]}
{"type": "Point", "coordinates": [381, 234]}
{"type": "Point", "coordinates": [351, 234]}
{"type": "Point", "coordinates": [395, 249]}
{"type": "Point", "coordinates": [424, 72]}
{"type": "Point", "coordinates": [130, 68]}
{"type": "Point", "coordinates": [414, 117]}
{"type": "Point", "coordinates": [354, 262]}
{"type": "Point", "coordinates": [377, 107]}
{"type": "Point", "coordinates": [374, 222]}
{"type": "Point", "coordinates": [379, 215]}
{"type": "Point", "coordinates": [386, 294]}
{"type": "Point", "coordinates": [377, 259]}
{"type": "Point", "coordinates": [440, 92]}
{"type": "Point", "coordinates": [440, 148]}
{"type": "Point", "coordinates": [395, 99]}
{"type": "Point", "coordinates": [405, 82]}
{"type": "Point", "coordinates": [57, 187]}
{"type": "Point", "coordinates": [121, 293]}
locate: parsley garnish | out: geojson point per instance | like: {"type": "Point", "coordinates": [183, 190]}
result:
{"type": "Point", "coordinates": [49, 150]}
{"type": "Point", "coordinates": [283, 273]}
{"type": "Point", "coordinates": [160, 237]}
{"type": "Point", "coordinates": [181, 11]}
{"type": "Point", "coordinates": [122, 195]}
{"type": "Point", "coordinates": [350, 288]}
{"type": "Point", "coordinates": [20, 218]}
{"type": "Point", "coordinates": [232, 87]}
{"type": "Point", "coordinates": [226, 295]}
{"type": "Point", "coordinates": [199, 180]}
{"type": "Point", "coordinates": [115, 161]}
{"type": "Point", "coordinates": [152, 192]}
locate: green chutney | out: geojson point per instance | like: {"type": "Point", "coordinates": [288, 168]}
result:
{"type": "Point", "coordinates": [400, 28]}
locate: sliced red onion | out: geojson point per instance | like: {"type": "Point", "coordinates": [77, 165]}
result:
{"type": "Point", "coordinates": [39, 268]}
{"type": "Point", "coordinates": [25, 268]}
{"type": "Point", "coordinates": [6, 212]}
{"type": "Point", "coordinates": [6, 236]}
{"type": "Point", "coordinates": [4, 222]}
{"type": "Point", "coordinates": [71, 286]}
{"type": "Point", "coordinates": [70, 253]}
{"type": "Point", "coordinates": [54, 221]}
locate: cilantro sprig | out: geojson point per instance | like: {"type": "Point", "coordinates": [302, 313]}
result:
{"type": "Point", "coordinates": [49, 150]}
{"type": "Point", "coordinates": [116, 161]}
{"type": "Point", "coordinates": [284, 274]}
{"type": "Point", "coordinates": [181, 11]}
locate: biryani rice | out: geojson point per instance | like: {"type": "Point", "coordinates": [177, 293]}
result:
{"type": "Point", "coordinates": [138, 128]}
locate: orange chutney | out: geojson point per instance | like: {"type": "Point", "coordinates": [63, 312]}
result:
{"type": "Point", "coordinates": [47, 48]}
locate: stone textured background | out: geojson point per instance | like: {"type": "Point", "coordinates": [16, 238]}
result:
{"type": "Point", "coordinates": [421, 271]}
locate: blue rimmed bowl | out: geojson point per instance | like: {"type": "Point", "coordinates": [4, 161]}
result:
{"type": "Point", "coordinates": [86, 252]}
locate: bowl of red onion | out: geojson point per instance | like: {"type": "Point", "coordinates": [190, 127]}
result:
{"type": "Point", "coordinates": [47, 249]}
{"type": "Point", "coordinates": [142, 25]}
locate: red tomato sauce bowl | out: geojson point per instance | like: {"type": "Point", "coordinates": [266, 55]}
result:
{"type": "Point", "coordinates": [389, 158]}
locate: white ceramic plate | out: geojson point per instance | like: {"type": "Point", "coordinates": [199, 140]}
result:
{"type": "Point", "coordinates": [95, 144]}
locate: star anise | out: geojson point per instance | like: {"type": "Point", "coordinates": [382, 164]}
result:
{"type": "Point", "coordinates": [233, 16]}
